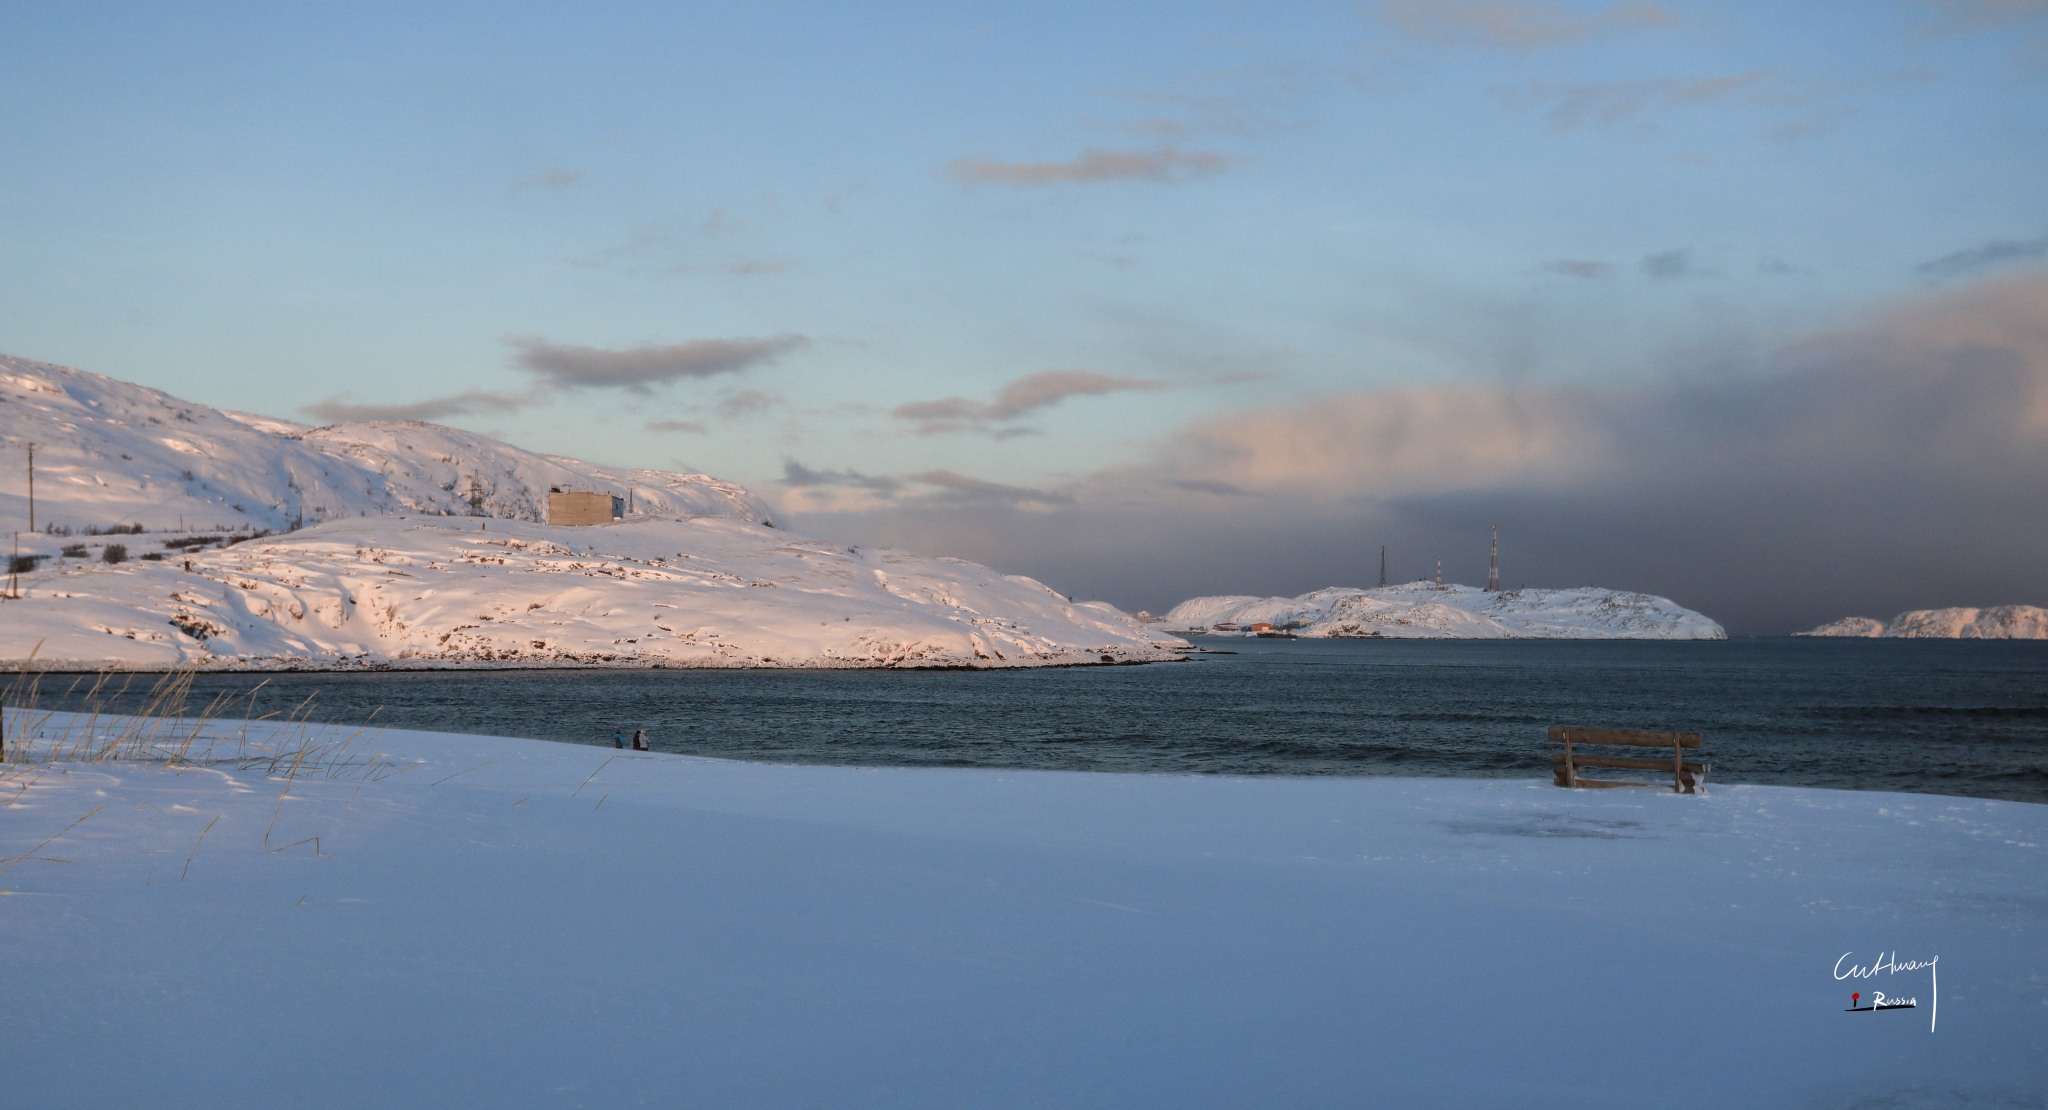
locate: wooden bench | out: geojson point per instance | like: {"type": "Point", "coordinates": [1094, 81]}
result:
{"type": "Point", "coordinates": [1686, 778]}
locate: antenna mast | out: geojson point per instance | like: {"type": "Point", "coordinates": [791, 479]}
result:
{"type": "Point", "coordinates": [1383, 566]}
{"type": "Point", "coordinates": [1493, 568]}
{"type": "Point", "coordinates": [1439, 572]}
{"type": "Point", "coordinates": [31, 487]}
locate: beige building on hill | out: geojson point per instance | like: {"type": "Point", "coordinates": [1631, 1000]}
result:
{"type": "Point", "coordinates": [584, 508]}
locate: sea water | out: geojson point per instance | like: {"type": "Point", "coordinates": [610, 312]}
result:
{"type": "Point", "coordinates": [1933, 716]}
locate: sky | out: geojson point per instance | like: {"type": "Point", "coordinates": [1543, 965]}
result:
{"type": "Point", "coordinates": [1741, 304]}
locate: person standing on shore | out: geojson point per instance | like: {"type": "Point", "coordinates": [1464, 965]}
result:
{"type": "Point", "coordinates": [618, 739]}
{"type": "Point", "coordinates": [639, 740]}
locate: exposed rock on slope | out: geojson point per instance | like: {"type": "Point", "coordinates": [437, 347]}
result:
{"type": "Point", "coordinates": [1999, 622]}
{"type": "Point", "coordinates": [1420, 610]}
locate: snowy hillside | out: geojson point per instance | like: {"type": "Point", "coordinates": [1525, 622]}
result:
{"type": "Point", "coordinates": [424, 591]}
{"type": "Point", "coordinates": [1999, 622]}
{"type": "Point", "coordinates": [1421, 610]}
{"type": "Point", "coordinates": [357, 545]}
{"type": "Point", "coordinates": [108, 452]}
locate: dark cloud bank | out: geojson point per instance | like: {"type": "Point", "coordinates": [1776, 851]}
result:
{"type": "Point", "coordinates": [1899, 464]}
{"type": "Point", "coordinates": [566, 366]}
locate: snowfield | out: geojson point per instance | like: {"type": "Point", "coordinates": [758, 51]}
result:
{"type": "Point", "coordinates": [1999, 622]}
{"type": "Point", "coordinates": [1421, 610]}
{"type": "Point", "coordinates": [395, 566]}
{"type": "Point", "coordinates": [436, 591]}
{"type": "Point", "coordinates": [462, 921]}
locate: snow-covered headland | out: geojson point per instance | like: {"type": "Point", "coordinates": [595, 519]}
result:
{"type": "Point", "coordinates": [1421, 610]}
{"type": "Point", "coordinates": [268, 545]}
{"type": "Point", "coordinates": [109, 452]}
{"type": "Point", "coordinates": [418, 919]}
{"type": "Point", "coordinates": [1998, 622]}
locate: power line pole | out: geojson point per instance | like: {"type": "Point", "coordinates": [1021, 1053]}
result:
{"type": "Point", "coordinates": [31, 487]}
{"type": "Point", "coordinates": [1493, 568]}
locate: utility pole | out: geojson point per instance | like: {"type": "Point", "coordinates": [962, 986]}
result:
{"type": "Point", "coordinates": [31, 489]}
{"type": "Point", "coordinates": [1383, 566]}
{"type": "Point", "coordinates": [1493, 568]}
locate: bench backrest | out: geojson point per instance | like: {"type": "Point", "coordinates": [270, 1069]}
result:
{"type": "Point", "coordinates": [1632, 736]}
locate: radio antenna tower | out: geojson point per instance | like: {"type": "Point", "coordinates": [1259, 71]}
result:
{"type": "Point", "coordinates": [1493, 568]}
{"type": "Point", "coordinates": [1383, 565]}
{"type": "Point", "coordinates": [1439, 572]}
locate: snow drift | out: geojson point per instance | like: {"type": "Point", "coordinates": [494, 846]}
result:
{"type": "Point", "coordinates": [1421, 610]}
{"type": "Point", "coordinates": [1999, 622]}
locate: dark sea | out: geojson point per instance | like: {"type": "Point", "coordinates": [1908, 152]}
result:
{"type": "Point", "coordinates": [1956, 717]}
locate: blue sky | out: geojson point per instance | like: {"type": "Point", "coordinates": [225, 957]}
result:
{"type": "Point", "coordinates": [810, 248]}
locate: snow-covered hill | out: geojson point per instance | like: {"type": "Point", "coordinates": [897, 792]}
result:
{"type": "Point", "coordinates": [427, 591]}
{"type": "Point", "coordinates": [108, 452]}
{"type": "Point", "coordinates": [1421, 610]}
{"type": "Point", "coordinates": [395, 566]}
{"type": "Point", "coordinates": [1999, 622]}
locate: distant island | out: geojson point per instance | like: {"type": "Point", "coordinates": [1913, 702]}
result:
{"type": "Point", "coordinates": [1999, 622]}
{"type": "Point", "coordinates": [1422, 610]}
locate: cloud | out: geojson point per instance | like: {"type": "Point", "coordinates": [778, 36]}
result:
{"type": "Point", "coordinates": [1093, 165]}
{"type": "Point", "coordinates": [1579, 268]}
{"type": "Point", "coordinates": [1508, 25]}
{"type": "Point", "coordinates": [800, 476]}
{"type": "Point", "coordinates": [1883, 466]}
{"type": "Point", "coordinates": [1679, 263]}
{"type": "Point", "coordinates": [747, 402]}
{"type": "Point", "coordinates": [958, 489]}
{"type": "Point", "coordinates": [689, 426]}
{"type": "Point", "coordinates": [550, 179]}
{"type": "Point", "coordinates": [1778, 267]}
{"type": "Point", "coordinates": [1021, 397]}
{"type": "Point", "coordinates": [752, 267]}
{"type": "Point", "coordinates": [1984, 255]}
{"type": "Point", "coordinates": [1624, 103]}
{"type": "Point", "coordinates": [1208, 485]}
{"type": "Point", "coordinates": [567, 366]}
{"type": "Point", "coordinates": [684, 248]}
{"type": "Point", "coordinates": [475, 402]}
{"type": "Point", "coordinates": [1969, 15]}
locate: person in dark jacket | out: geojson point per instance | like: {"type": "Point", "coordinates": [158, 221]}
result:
{"type": "Point", "coordinates": [618, 739]}
{"type": "Point", "coordinates": [639, 740]}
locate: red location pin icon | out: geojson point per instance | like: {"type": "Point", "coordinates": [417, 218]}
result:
{"type": "Point", "coordinates": [1854, 997]}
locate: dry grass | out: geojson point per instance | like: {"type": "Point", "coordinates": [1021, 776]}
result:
{"type": "Point", "coordinates": [165, 728]}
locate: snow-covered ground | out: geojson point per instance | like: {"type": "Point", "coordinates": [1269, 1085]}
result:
{"type": "Point", "coordinates": [397, 566]}
{"type": "Point", "coordinates": [1999, 622]}
{"type": "Point", "coordinates": [1422, 610]}
{"type": "Point", "coordinates": [508, 923]}
{"type": "Point", "coordinates": [436, 591]}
